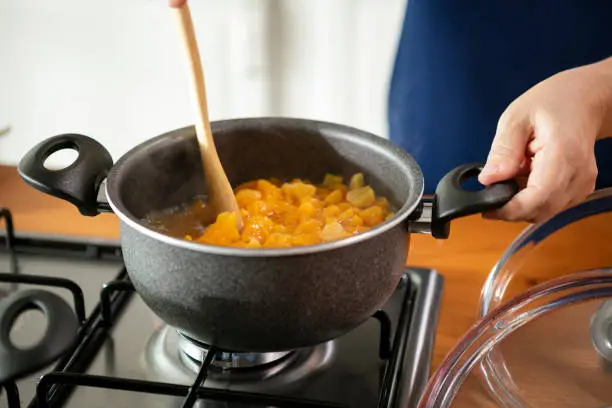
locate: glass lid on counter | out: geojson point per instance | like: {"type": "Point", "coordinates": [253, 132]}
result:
{"type": "Point", "coordinates": [544, 338]}
{"type": "Point", "coordinates": [548, 347]}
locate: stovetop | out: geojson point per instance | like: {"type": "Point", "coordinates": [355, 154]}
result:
{"type": "Point", "coordinates": [125, 357]}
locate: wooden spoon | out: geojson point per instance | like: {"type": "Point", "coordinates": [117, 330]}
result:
{"type": "Point", "coordinates": [221, 195]}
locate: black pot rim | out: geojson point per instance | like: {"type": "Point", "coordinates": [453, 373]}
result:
{"type": "Point", "coordinates": [368, 140]}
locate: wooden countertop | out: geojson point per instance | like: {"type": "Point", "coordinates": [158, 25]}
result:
{"type": "Point", "coordinates": [464, 260]}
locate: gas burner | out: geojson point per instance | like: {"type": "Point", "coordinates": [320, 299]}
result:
{"type": "Point", "coordinates": [197, 351]}
{"type": "Point", "coordinates": [171, 356]}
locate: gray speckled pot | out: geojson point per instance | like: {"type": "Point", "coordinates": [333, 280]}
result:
{"type": "Point", "coordinates": [254, 299]}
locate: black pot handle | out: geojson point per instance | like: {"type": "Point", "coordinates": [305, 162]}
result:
{"type": "Point", "coordinates": [452, 201]}
{"type": "Point", "coordinates": [78, 183]}
{"type": "Point", "coordinates": [61, 332]}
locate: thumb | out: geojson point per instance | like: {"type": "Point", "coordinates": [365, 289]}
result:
{"type": "Point", "coordinates": [177, 3]}
{"type": "Point", "coordinates": [507, 151]}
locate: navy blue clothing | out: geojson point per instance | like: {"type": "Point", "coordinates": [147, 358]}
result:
{"type": "Point", "coordinates": [460, 63]}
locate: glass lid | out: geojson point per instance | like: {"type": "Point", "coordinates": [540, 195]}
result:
{"type": "Point", "coordinates": [578, 239]}
{"type": "Point", "coordinates": [548, 347]}
{"type": "Point", "coordinates": [544, 338]}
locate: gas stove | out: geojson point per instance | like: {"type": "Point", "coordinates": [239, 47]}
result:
{"type": "Point", "coordinates": [107, 349]}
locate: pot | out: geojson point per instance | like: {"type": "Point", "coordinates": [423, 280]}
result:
{"type": "Point", "coordinates": [259, 300]}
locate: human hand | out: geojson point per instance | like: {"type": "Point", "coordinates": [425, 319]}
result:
{"type": "Point", "coordinates": [177, 3]}
{"type": "Point", "coordinates": [545, 140]}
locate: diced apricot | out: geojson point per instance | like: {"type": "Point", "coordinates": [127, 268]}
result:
{"type": "Point", "coordinates": [345, 206]}
{"type": "Point", "coordinates": [223, 231]}
{"type": "Point", "coordinates": [333, 231]}
{"type": "Point", "coordinates": [259, 207]}
{"type": "Point", "coordinates": [382, 202]}
{"type": "Point", "coordinates": [335, 197]}
{"type": "Point", "coordinates": [315, 202]}
{"type": "Point", "coordinates": [307, 210]}
{"type": "Point", "coordinates": [291, 220]}
{"type": "Point", "coordinates": [309, 227]}
{"type": "Point", "coordinates": [348, 213]}
{"type": "Point", "coordinates": [331, 211]}
{"type": "Point", "coordinates": [251, 185]}
{"type": "Point", "coordinates": [279, 228]}
{"type": "Point", "coordinates": [332, 181]}
{"type": "Point", "coordinates": [361, 197]}
{"type": "Point", "coordinates": [351, 222]}
{"type": "Point", "coordinates": [298, 191]}
{"type": "Point", "coordinates": [293, 213]}
{"type": "Point", "coordinates": [278, 240]}
{"type": "Point", "coordinates": [322, 192]}
{"type": "Point", "coordinates": [257, 227]}
{"type": "Point", "coordinates": [269, 190]}
{"type": "Point", "coordinates": [372, 216]}
{"type": "Point", "coordinates": [253, 243]}
{"type": "Point", "coordinates": [356, 181]}
{"type": "Point", "coordinates": [247, 196]}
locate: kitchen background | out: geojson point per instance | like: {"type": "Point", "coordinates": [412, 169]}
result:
{"type": "Point", "coordinates": [115, 69]}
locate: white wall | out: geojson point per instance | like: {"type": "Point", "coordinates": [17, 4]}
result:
{"type": "Point", "coordinates": [114, 69]}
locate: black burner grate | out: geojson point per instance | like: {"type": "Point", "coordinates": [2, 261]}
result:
{"type": "Point", "coordinates": [55, 387]}
{"type": "Point", "coordinates": [92, 330]}
{"type": "Point", "coordinates": [196, 391]}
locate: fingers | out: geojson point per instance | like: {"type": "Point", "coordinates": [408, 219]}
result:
{"type": "Point", "coordinates": [507, 153]}
{"type": "Point", "coordinates": [555, 184]}
{"type": "Point", "coordinates": [546, 190]}
{"type": "Point", "coordinates": [177, 3]}
{"type": "Point", "coordinates": [583, 183]}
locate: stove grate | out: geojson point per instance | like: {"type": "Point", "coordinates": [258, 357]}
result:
{"type": "Point", "coordinates": [191, 394]}
{"type": "Point", "coordinates": [55, 387]}
{"type": "Point", "coordinates": [161, 388]}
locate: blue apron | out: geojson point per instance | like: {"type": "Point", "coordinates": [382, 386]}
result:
{"type": "Point", "coordinates": [460, 63]}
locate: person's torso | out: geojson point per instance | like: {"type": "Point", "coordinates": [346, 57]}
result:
{"type": "Point", "coordinates": [459, 64]}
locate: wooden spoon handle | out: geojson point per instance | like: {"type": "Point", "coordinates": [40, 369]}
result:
{"type": "Point", "coordinates": [220, 190]}
{"type": "Point", "coordinates": [198, 87]}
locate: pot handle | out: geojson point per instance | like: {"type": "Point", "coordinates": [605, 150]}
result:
{"type": "Point", "coordinates": [80, 181]}
{"type": "Point", "coordinates": [452, 201]}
